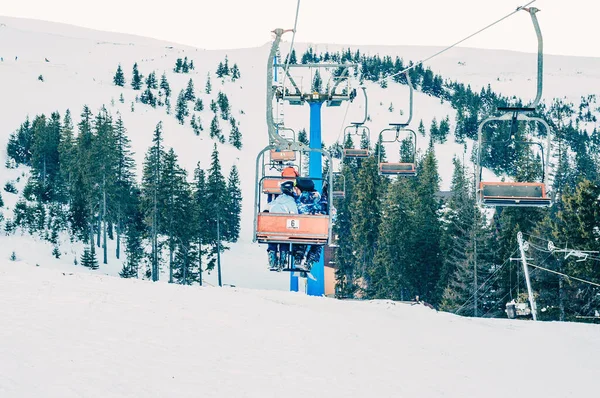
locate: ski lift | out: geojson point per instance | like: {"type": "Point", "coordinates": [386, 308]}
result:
{"type": "Point", "coordinates": [282, 228]}
{"type": "Point", "coordinates": [518, 194]}
{"type": "Point", "coordinates": [516, 310]}
{"type": "Point", "coordinates": [339, 186]}
{"type": "Point", "coordinates": [358, 129]}
{"type": "Point", "coordinates": [279, 155]}
{"type": "Point", "coordinates": [405, 167]}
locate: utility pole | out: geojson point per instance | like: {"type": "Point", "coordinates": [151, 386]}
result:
{"type": "Point", "coordinates": [523, 246]}
{"type": "Point", "coordinates": [219, 249]}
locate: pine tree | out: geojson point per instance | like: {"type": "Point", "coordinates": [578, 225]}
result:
{"type": "Point", "coordinates": [233, 208]}
{"type": "Point", "coordinates": [317, 83]}
{"type": "Point", "coordinates": [136, 81]}
{"type": "Point", "coordinates": [178, 65]}
{"type": "Point", "coordinates": [444, 129]}
{"type": "Point", "coordinates": [213, 106]}
{"type": "Point", "coordinates": [220, 70]}
{"type": "Point", "coordinates": [201, 217]}
{"type": "Point", "coordinates": [434, 131]}
{"type": "Point", "coordinates": [208, 87]}
{"type": "Point", "coordinates": [215, 130]}
{"type": "Point", "coordinates": [226, 66]}
{"type": "Point", "coordinates": [216, 200]}
{"type": "Point", "coordinates": [421, 128]}
{"type": "Point", "coordinates": [235, 137]}
{"type": "Point", "coordinates": [124, 169]}
{"type": "Point", "coordinates": [66, 156]}
{"type": "Point", "coordinates": [182, 110]}
{"type": "Point", "coordinates": [151, 81]}
{"type": "Point", "coordinates": [185, 67]}
{"type": "Point", "coordinates": [224, 106]}
{"type": "Point", "coordinates": [366, 218]}
{"type": "Point", "coordinates": [303, 137]}
{"type": "Point", "coordinates": [88, 258]}
{"type": "Point", "coordinates": [119, 79]}
{"type": "Point", "coordinates": [189, 91]}
{"type": "Point", "coordinates": [1, 201]}
{"type": "Point", "coordinates": [199, 106]}
{"type": "Point", "coordinates": [151, 183]}
{"type": "Point", "coordinates": [235, 73]}
{"type": "Point", "coordinates": [164, 85]}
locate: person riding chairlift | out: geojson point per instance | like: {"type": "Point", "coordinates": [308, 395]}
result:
{"type": "Point", "coordinates": [283, 203]}
{"type": "Point", "coordinates": [308, 202]}
{"type": "Point", "coordinates": [288, 172]}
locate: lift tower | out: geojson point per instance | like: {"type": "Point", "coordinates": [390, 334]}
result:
{"type": "Point", "coordinates": [339, 92]}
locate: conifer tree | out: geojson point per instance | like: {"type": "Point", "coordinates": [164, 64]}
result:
{"type": "Point", "coordinates": [151, 182]}
{"type": "Point", "coordinates": [185, 67]}
{"type": "Point", "coordinates": [444, 129]}
{"type": "Point", "coordinates": [88, 258]}
{"type": "Point", "coordinates": [216, 191]}
{"type": "Point", "coordinates": [213, 106]}
{"type": "Point", "coordinates": [199, 106]}
{"type": "Point", "coordinates": [215, 130]}
{"type": "Point", "coordinates": [189, 91]}
{"type": "Point", "coordinates": [224, 106]}
{"type": "Point", "coordinates": [164, 85]}
{"type": "Point", "coordinates": [151, 81]}
{"type": "Point", "coordinates": [208, 87]}
{"type": "Point", "coordinates": [421, 128]}
{"type": "Point", "coordinates": [178, 65]}
{"type": "Point", "coordinates": [220, 70]}
{"type": "Point", "coordinates": [233, 207]}
{"type": "Point", "coordinates": [235, 73]}
{"type": "Point", "coordinates": [317, 83]}
{"type": "Point", "coordinates": [235, 137]}
{"type": "Point", "coordinates": [119, 79]}
{"type": "Point", "coordinates": [136, 80]}
{"type": "Point", "coordinates": [182, 110]}
{"type": "Point", "coordinates": [201, 217]}
{"type": "Point", "coordinates": [124, 181]}
{"type": "Point", "coordinates": [303, 137]}
{"type": "Point", "coordinates": [366, 219]}
{"type": "Point", "coordinates": [434, 131]}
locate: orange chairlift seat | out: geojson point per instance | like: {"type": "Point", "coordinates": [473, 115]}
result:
{"type": "Point", "coordinates": [353, 130]}
{"type": "Point", "coordinates": [398, 168]}
{"type": "Point", "coordinates": [339, 189]}
{"type": "Point", "coordinates": [519, 194]}
{"type": "Point", "coordinates": [282, 155]}
{"type": "Point", "coordinates": [513, 194]}
{"type": "Point", "coordinates": [288, 228]}
{"type": "Point", "coordinates": [406, 167]}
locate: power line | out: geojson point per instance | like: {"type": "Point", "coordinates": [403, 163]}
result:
{"type": "Point", "coordinates": [485, 282]}
{"type": "Point", "coordinates": [565, 275]}
{"type": "Point", "coordinates": [457, 43]}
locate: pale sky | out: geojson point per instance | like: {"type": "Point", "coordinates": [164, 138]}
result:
{"type": "Point", "coordinates": [569, 27]}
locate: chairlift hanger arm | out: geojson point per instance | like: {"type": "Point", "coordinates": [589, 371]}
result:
{"type": "Point", "coordinates": [410, 104]}
{"type": "Point", "coordinates": [364, 89]}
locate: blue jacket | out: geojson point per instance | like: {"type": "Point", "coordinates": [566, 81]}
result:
{"type": "Point", "coordinates": [310, 203]}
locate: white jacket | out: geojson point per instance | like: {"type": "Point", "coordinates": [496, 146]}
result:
{"type": "Point", "coordinates": [283, 204]}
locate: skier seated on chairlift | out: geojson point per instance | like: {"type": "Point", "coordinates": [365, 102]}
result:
{"type": "Point", "coordinates": [283, 203]}
{"type": "Point", "coordinates": [289, 172]}
{"type": "Point", "coordinates": [309, 202]}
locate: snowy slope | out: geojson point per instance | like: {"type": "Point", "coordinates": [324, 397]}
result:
{"type": "Point", "coordinates": [83, 62]}
{"type": "Point", "coordinates": [80, 335]}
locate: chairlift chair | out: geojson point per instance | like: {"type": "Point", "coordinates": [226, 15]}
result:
{"type": "Point", "coordinates": [407, 168]}
{"type": "Point", "coordinates": [339, 189]}
{"type": "Point", "coordinates": [288, 228]}
{"type": "Point", "coordinates": [358, 129]}
{"type": "Point", "coordinates": [280, 155]}
{"type": "Point", "coordinates": [518, 194]}
{"type": "Point", "coordinates": [403, 168]}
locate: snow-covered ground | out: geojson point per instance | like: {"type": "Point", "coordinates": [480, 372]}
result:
{"type": "Point", "coordinates": [80, 335]}
{"type": "Point", "coordinates": [82, 63]}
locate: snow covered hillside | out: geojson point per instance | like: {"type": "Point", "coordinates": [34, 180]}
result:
{"type": "Point", "coordinates": [78, 65]}
{"type": "Point", "coordinates": [72, 335]}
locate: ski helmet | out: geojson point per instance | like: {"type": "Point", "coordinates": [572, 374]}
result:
{"type": "Point", "coordinates": [287, 188]}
